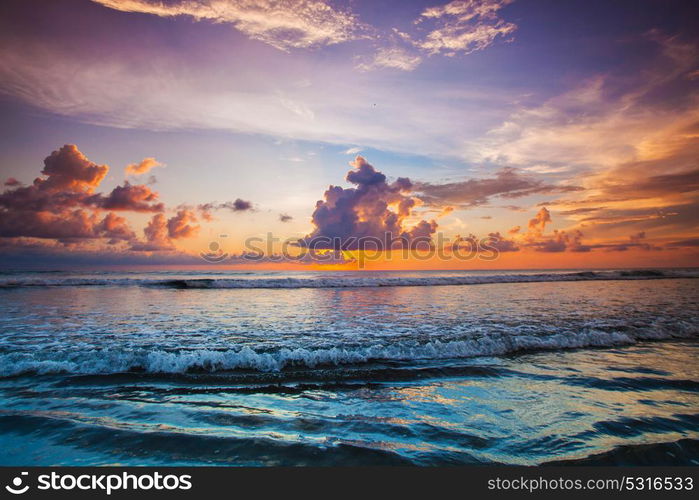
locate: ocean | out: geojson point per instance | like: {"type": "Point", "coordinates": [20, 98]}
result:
{"type": "Point", "coordinates": [349, 368]}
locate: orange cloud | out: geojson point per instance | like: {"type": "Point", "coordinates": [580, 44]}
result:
{"type": "Point", "coordinates": [538, 223]}
{"type": "Point", "coordinates": [182, 225]}
{"type": "Point", "coordinates": [69, 170]}
{"type": "Point", "coordinates": [144, 166]}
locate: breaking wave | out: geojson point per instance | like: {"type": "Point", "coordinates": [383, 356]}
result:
{"type": "Point", "coordinates": [113, 361]}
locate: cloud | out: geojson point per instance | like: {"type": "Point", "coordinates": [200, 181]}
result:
{"type": "Point", "coordinates": [500, 243]}
{"type": "Point", "coordinates": [445, 211]}
{"type": "Point", "coordinates": [61, 207]}
{"type": "Point", "coordinates": [182, 225]}
{"type": "Point", "coordinates": [536, 239]}
{"type": "Point", "coordinates": [582, 210]}
{"type": "Point", "coordinates": [26, 255]}
{"type": "Point", "coordinates": [463, 26]}
{"type": "Point", "coordinates": [34, 198]}
{"type": "Point", "coordinates": [630, 141]}
{"type": "Point", "coordinates": [605, 120]}
{"type": "Point", "coordinates": [161, 231]}
{"type": "Point", "coordinates": [69, 180]}
{"type": "Point", "coordinates": [279, 23]}
{"type": "Point", "coordinates": [143, 167]}
{"type": "Point", "coordinates": [67, 169]}
{"type": "Point", "coordinates": [625, 182]}
{"type": "Point", "coordinates": [67, 226]}
{"type": "Point", "coordinates": [115, 228]}
{"type": "Point", "coordinates": [659, 194]}
{"type": "Point", "coordinates": [507, 183]}
{"type": "Point", "coordinates": [557, 241]}
{"type": "Point", "coordinates": [571, 239]}
{"type": "Point", "coordinates": [353, 151]}
{"type": "Point", "coordinates": [635, 241]}
{"type": "Point", "coordinates": [238, 205]}
{"type": "Point", "coordinates": [12, 182]}
{"type": "Point", "coordinates": [393, 58]}
{"type": "Point", "coordinates": [136, 198]}
{"type": "Point", "coordinates": [157, 237]}
{"type": "Point", "coordinates": [285, 218]}
{"type": "Point", "coordinates": [60, 204]}
{"type": "Point", "coordinates": [459, 27]}
{"type": "Point", "coordinates": [375, 210]}
{"type": "Point", "coordinates": [257, 95]}
{"type": "Point", "coordinates": [561, 241]}
{"type": "Point", "coordinates": [693, 242]}
{"type": "Point", "coordinates": [538, 223]}
{"type": "Point", "coordinates": [204, 84]}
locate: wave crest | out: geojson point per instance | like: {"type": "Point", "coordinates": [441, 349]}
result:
{"type": "Point", "coordinates": [112, 361]}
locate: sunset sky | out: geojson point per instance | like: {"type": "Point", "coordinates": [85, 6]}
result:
{"type": "Point", "coordinates": [134, 132]}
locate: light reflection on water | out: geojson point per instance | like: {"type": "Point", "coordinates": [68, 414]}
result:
{"type": "Point", "coordinates": [407, 405]}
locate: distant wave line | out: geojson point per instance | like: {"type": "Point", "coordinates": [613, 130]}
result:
{"type": "Point", "coordinates": [348, 282]}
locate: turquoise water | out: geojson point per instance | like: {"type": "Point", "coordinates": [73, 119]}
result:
{"type": "Point", "coordinates": [349, 368]}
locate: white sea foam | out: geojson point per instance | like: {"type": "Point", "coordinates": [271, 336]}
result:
{"type": "Point", "coordinates": [111, 361]}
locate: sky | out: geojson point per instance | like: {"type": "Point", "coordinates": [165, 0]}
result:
{"type": "Point", "coordinates": [539, 134]}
